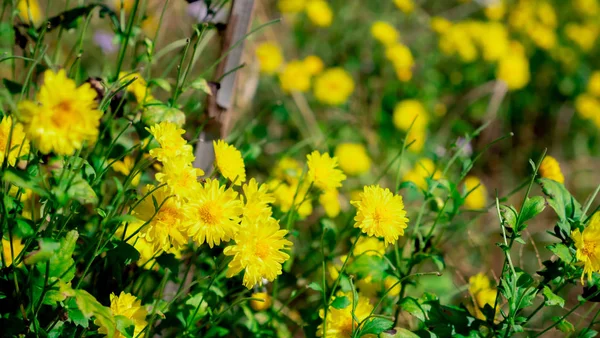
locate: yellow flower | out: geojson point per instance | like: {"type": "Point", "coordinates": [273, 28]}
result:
{"type": "Point", "coordinates": [477, 198]}
{"type": "Point", "coordinates": [543, 36]}
{"type": "Point", "coordinates": [128, 306]}
{"type": "Point", "coordinates": [288, 169]}
{"type": "Point", "coordinates": [400, 56]}
{"type": "Point", "coordinates": [181, 178]}
{"type": "Point", "coordinates": [9, 254]}
{"type": "Point", "coordinates": [380, 213]}
{"type": "Point", "coordinates": [439, 24]}
{"type": "Point", "coordinates": [19, 145]}
{"type": "Point", "coordinates": [258, 250]}
{"type": "Point", "coordinates": [341, 323]}
{"type": "Point", "coordinates": [288, 196]}
{"type": "Point", "coordinates": [550, 168]}
{"type": "Point", "coordinates": [494, 42]}
{"type": "Point", "coordinates": [587, 7]}
{"type": "Point", "coordinates": [257, 200]}
{"type": "Point", "coordinates": [295, 77]}
{"type": "Point", "coordinates": [353, 158]}
{"type": "Point", "coordinates": [215, 214]}
{"type": "Point", "coordinates": [125, 5]}
{"type": "Point", "coordinates": [291, 6]}
{"type": "Point", "coordinates": [146, 249]}
{"type": "Point", "coordinates": [423, 169]}
{"type": "Point", "coordinates": [408, 110]}
{"type": "Point", "coordinates": [482, 292]}
{"type": "Point", "coordinates": [584, 35]}
{"type": "Point", "coordinates": [370, 246]}
{"type": "Point", "coordinates": [172, 144]}
{"type": "Point", "coordinates": [588, 246]}
{"type": "Point", "coordinates": [313, 64]}
{"type": "Point", "coordinates": [29, 12]}
{"type": "Point", "coordinates": [416, 137]}
{"type": "Point", "coordinates": [139, 87]}
{"type": "Point", "coordinates": [495, 10]}
{"type": "Point", "coordinates": [319, 13]}
{"type": "Point", "coordinates": [391, 283]}
{"type": "Point", "coordinates": [513, 68]}
{"type": "Point", "coordinates": [166, 225]}
{"type": "Point", "coordinates": [334, 86]}
{"type": "Point", "coordinates": [269, 56]}
{"type": "Point", "coordinates": [230, 163]}
{"type": "Point", "coordinates": [262, 304]}
{"type": "Point", "coordinates": [384, 33]}
{"type": "Point", "coordinates": [593, 86]}
{"type": "Point", "coordinates": [588, 107]}
{"type": "Point", "coordinates": [125, 167]}
{"type": "Point", "coordinates": [330, 201]}
{"type": "Point", "coordinates": [407, 6]}
{"type": "Point", "coordinates": [64, 116]}
{"type": "Point", "coordinates": [323, 171]}
{"type": "Point", "coordinates": [150, 26]}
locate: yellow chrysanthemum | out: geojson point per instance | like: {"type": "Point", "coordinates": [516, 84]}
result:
{"type": "Point", "coordinates": [588, 107]}
{"type": "Point", "coordinates": [482, 292]}
{"type": "Point", "coordinates": [334, 86]}
{"type": "Point", "coordinates": [181, 178]}
{"type": "Point", "coordinates": [380, 213]}
{"type": "Point", "coordinates": [9, 254]}
{"type": "Point", "coordinates": [319, 13]}
{"type": "Point", "coordinates": [402, 59]}
{"type": "Point", "coordinates": [353, 158]}
{"type": "Point", "coordinates": [408, 110]}
{"type": "Point", "coordinates": [146, 249]}
{"type": "Point", "coordinates": [370, 246]}
{"type": "Point", "coordinates": [495, 10]}
{"type": "Point", "coordinates": [341, 323]}
{"type": "Point", "coordinates": [215, 214]}
{"type": "Point", "coordinates": [439, 24]}
{"type": "Point", "coordinates": [262, 304]}
{"type": "Point", "coordinates": [288, 169]}
{"type": "Point", "coordinates": [269, 56]}
{"type": "Point", "coordinates": [128, 306]}
{"type": "Point", "coordinates": [313, 64]}
{"type": "Point", "coordinates": [407, 6]}
{"type": "Point", "coordinates": [384, 33]}
{"type": "Point", "coordinates": [19, 145]}
{"type": "Point", "coordinates": [172, 144]}
{"type": "Point", "coordinates": [230, 163]}
{"type": "Point", "coordinates": [513, 69]}
{"type": "Point", "coordinates": [166, 226]}
{"type": "Point", "coordinates": [330, 201]}
{"type": "Point", "coordinates": [550, 168]}
{"type": "Point", "coordinates": [588, 246]}
{"type": "Point", "coordinates": [29, 12]}
{"type": "Point", "coordinates": [323, 171]}
{"type": "Point", "coordinates": [295, 77]}
{"type": "Point", "coordinates": [593, 86]}
{"type": "Point", "coordinates": [63, 117]}
{"type": "Point", "coordinates": [291, 6]}
{"type": "Point", "coordinates": [257, 200]}
{"type": "Point", "coordinates": [477, 198]}
{"type": "Point", "coordinates": [125, 167]}
{"type": "Point", "coordinates": [291, 195]}
{"type": "Point", "coordinates": [391, 283]}
{"type": "Point", "coordinates": [587, 7]}
{"type": "Point", "coordinates": [139, 87]}
{"type": "Point", "coordinates": [584, 35]}
{"type": "Point", "coordinates": [258, 250]}
{"type": "Point", "coordinates": [423, 169]}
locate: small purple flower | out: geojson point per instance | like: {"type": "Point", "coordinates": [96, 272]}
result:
{"type": "Point", "coordinates": [105, 41]}
{"type": "Point", "coordinates": [466, 147]}
{"type": "Point", "coordinates": [200, 12]}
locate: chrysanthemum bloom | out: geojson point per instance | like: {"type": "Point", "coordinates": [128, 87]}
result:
{"type": "Point", "coordinates": [139, 87]}
{"type": "Point", "coordinates": [19, 144]}
{"type": "Point", "coordinates": [291, 195]}
{"type": "Point", "coordinates": [323, 171]}
{"type": "Point", "coordinates": [370, 246]}
{"type": "Point", "coordinates": [258, 250]}
{"type": "Point", "coordinates": [588, 246]}
{"type": "Point", "coordinates": [330, 201]}
{"type": "Point", "coordinates": [64, 116]}
{"type": "Point", "coordinates": [29, 12]}
{"type": "Point", "coordinates": [166, 226]}
{"type": "Point", "coordinates": [550, 168]}
{"type": "Point", "coordinates": [482, 292]}
{"type": "Point", "coordinates": [407, 111]}
{"type": "Point", "coordinates": [353, 158]}
{"type": "Point", "coordinates": [334, 86]}
{"type": "Point", "coordinates": [439, 24]}
{"type": "Point", "coordinates": [584, 35]}
{"type": "Point", "coordinates": [214, 213]}
{"type": "Point", "coordinates": [172, 144]}
{"type": "Point", "coordinates": [380, 213]}
{"type": "Point", "coordinates": [477, 198]}
{"type": "Point", "coordinates": [8, 254]}
{"type": "Point", "coordinates": [423, 169]}
{"type": "Point", "coordinates": [262, 304]}
{"type": "Point", "coordinates": [128, 306]}
{"type": "Point", "coordinates": [257, 200]}
{"type": "Point", "coordinates": [295, 77]}
{"type": "Point", "coordinates": [229, 161]}
{"type": "Point", "coordinates": [269, 57]}
{"type": "Point", "coordinates": [291, 6]}
{"type": "Point", "coordinates": [313, 64]}
{"type": "Point", "coordinates": [319, 13]}
{"type": "Point", "coordinates": [288, 170]}
{"type": "Point", "coordinates": [125, 167]}
{"type": "Point", "coordinates": [495, 10]}
{"type": "Point", "coordinates": [588, 107]}
{"type": "Point", "coordinates": [587, 7]}
{"type": "Point", "coordinates": [341, 323]}
{"type": "Point", "coordinates": [181, 178]}
{"type": "Point", "coordinates": [384, 33]}
{"type": "Point", "coordinates": [407, 6]}
{"type": "Point", "coordinates": [513, 69]}
{"type": "Point", "coordinates": [593, 86]}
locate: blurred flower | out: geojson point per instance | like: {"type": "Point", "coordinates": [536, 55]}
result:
{"type": "Point", "coordinates": [495, 10]}
{"type": "Point", "coordinates": [587, 7]}
{"type": "Point", "coordinates": [291, 195]}
{"type": "Point", "coordinates": [334, 86]}
{"type": "Point", "coordinates": [295, 77]}
{"type": "Point", "coordinates": [215, 213]}
{"type": "Point", "coordinates": [106, 42]}
{"type": "Point", "coordinates": [125, 5]}
{"type": "Point", "coordinates": [63, 117]}
{"type": "Point", "coordinates": [19, 144]}
{"type": "Point", "coordinates": [482, 292]}
{"type": "Point", "coordinates": [588, 246]}
{"type": "Point", "coordinates": [319, 13]}
{"type": "Point", "coordinates": [513, 69]}
{"type": "Point", "coordinates": [329, 199]}
{"type": "Point", "coordinates": [269, 56]}
{"type": "Point", "coordinates": [380, 213]}
{"type": "Point", "coordinates": [439, 24]}
{"type": "Point", "coordinates": [288, 169]}
{"type": "Point", "coordinates": [125, 167]}
{"type": "Point", "coordinates": [11, 250]}
{"type": "Point", "coordinates": [407, 111]}
{"type": "Point", "coordinates": [258, 305]}
{"type": "Point", "coordinates": [343, 322]}
{"type": "Point", "coordinates": [402, 59]}
{"type": "Point", "coordinates": [593, 86]}
{"type": "Point", "coordinates": [313, 64]}
{"type": "Point", "coordinates": [172, 145]}
{"type": "Point", "coordinates": [584, 35]}
{"type": "Point", "coordinates": [29, 12]}
{"type": "Point", "coordinates": [392, 283]}
{"type": "Point", "coordinates": [323, 171]}
{"type": "Point", "coordinates": [384, 33]}
{"type": "Point", "coordinates": [258, 250]}
{"type": "Point", "coordinates": [257, 199]}
{"type": "Point", "coordinates": [423, 169]}
{"type": "Point", "coordinates": [138, 87]}
{"type": "Point", "coordinates": [407, 6]}
{"type": "Point", "coordinates": [550, 168]}
{"type": "Point", "coordinates": [588, 107]}
{"type": "Point", "coordinates": [353, 158]}
{"type": "Point", "coordinates": [128, 306]}
{"type": "Point", "coordinates": [150, 26]}
{"type": "Point", "coordinates": [370, 246]}
{"type": "Point", "coordinates": [230, 163]}
{"type": "Point", "coordinates": [477, 193]}
{"type": "Point", "coordinates": [291, 6]}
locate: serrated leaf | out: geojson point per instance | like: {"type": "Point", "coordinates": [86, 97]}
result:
{"type": "Point", "coordinates": [532, 207]}
{"type": "Point", "coordinates": [413, 307]}
{"type": "Point", "coordinates": [62, 264]}
{"type": "Point", "coordinates": [90, 307]}
{"type": "Point", "coordinates": [74, 314]}
{"type": "Point", "coordinates": [376, 326]}
{"type": "Point", "coordinates": [561, 200]}
{"type": "Point", "coordinates": [509, 215]}
{"type": "Point", "coordinates": [562, 251]}
{"type": "Point", "coordinates": [47, 249]}
{"type": "Point", "coordinates": [398, 332]}
{"type": "Point", "coordinates": [202, 85]}
{"type": "Point", "coordinates": [315, 286]}
{"type": "Point", "coordinates": [340, 302]}
{"type": "Point", "coordinates": [551, 298]}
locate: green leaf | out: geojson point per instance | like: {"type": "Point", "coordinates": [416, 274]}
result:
{"type": "Point", "coordinates": [202, 85]}
{"type": "Point", "coordinates": [340, 302]}
{"type": "Point", "coordinates": [413, 307]}
{"type": "Point", "coordinates": [12, 86]}
{"type": "Point", "coordinates": [62, 263]}
{"type": "Point", "coordinates": [124, 252]}
{"type": "Point", "coordinates": [509, 215]}
{"type": "Point", "coordinates": [162, 83]}
{"type": "Point", "coordinates": [398, 332]}
{"type": "Point", "coordinates": [75, 315]}
{"type": "Point", "coordinates": [376, 326]}
{"type": "Point", "coordinates": [551, 298]}
{"type": "Point", "coordinates": [154, 114]}
{"type": "Point", "coordinates": [90, 307]}
{"type": "Point", "coordinates": [532, 207]}
{"type": "Point", "coordinates": [369, 265]}
{"type": "Point", "coordinates": [81, 191]}
{"type": "Point", "coordinates": [563, 326]}
{"type": "Point", "coordinates": [47, 249]}
{"type": "Point", "coordinates": [559, 198]}
{"type": "Point", "coordinates": [25, 227]}
{"type": "Point", "coordinates": [315, 286]}
{"type": "Point", "coordinates": [125, 326]}
{"type": "Point", "coordinates": [562, 251]}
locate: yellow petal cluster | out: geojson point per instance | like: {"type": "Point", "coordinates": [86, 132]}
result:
{"type": "Point", "coordinates": [477, 193]}
{"type": "Point", "coordinates": [587, 243]}
{"type": "Point", "coordinates": [550, 168]}
{"type": "Point", "coordinates": [128, 306]}
{"type": "Point", "coordinates": [353, 158]}
{"type": "Point", "coordinates": [323, 171]}
{"type": "Point", "coordinates": [19, 144]}
{"type": "Point", "coordinates": [230, 163]}
{"type": "Point", "coordinates": [343, 322]}
{"type": "Point", "coordinates": [334, 86]}
{"type": "Point", "coordinates": [482, 293]}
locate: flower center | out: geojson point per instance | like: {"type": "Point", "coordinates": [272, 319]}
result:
{"type": "Point", "coordinates": [167, 215]}
{"type": "Point", "coordinates": [207, 214]}
{"type": "Point", "coordinates": [262, 250]}
{"type": "Point", "coordinates": [62, 114]}
{"type": "Point", "coordinates": [588, 248]}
